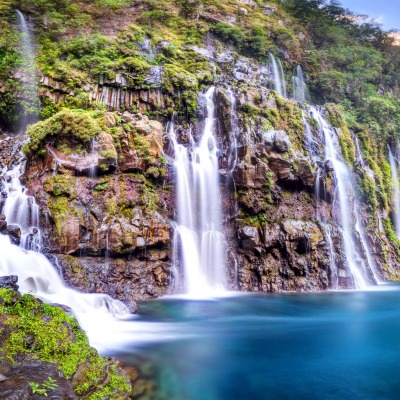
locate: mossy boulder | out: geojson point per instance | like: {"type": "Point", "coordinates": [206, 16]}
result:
{"type": "Point", "coordinates": [66, 126]}
{"type": "Point", "coordinates": [37, 337]}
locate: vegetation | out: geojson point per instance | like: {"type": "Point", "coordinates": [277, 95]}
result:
{"type": "Point", "coordinates": [76, 125]}
{"type": "Point", "coordinates": [55, 337]}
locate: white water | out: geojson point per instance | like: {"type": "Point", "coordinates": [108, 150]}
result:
{"type": "Point", "coordinates": [300, 89]}
{"type": "Point", "coordinates": [21, 209]}
{"type": "Point", "coordinates": [27, 49]}
{"type": "Point", "coordinates": [29, 79]}
{"type": "Point", "coordinates": [345, 192]}
{"type": "Point", "coordinates": [396, 192]}
{"type": "Point", "coordinates": [199, 240]}
{"type": "Point", "coordinates": [278, 76]}
{"type": "Point", "coordinates": [332, 259]}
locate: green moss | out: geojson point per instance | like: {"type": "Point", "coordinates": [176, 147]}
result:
{"type": "Point", "coordinates": [60, 185]}
{"type": "Point", "coordinates": [101, 187]}
{"type": "Point", "coordinates": [56, 338]}
{"type": "Point", "coordinates": [368, 189]}
{"type": "Point", "coordinates": [390, 232]}
{"type": "Point", "coordinates": [142, 147]}
{"type": "Point", "coordinates": [60, 209]}
{"type": "Point", "coordinates": [337, 119]}
{"type": "Point", "coordinates": [68, 123]}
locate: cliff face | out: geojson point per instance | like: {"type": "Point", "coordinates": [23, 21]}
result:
{"type": "Point", "coordinates": [104, 177]}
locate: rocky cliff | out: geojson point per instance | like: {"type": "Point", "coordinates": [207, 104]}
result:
{"type": "Point", "coordinates": [100, 164]}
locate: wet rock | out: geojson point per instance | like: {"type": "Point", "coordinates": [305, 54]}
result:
{"type": "Point", "coordinates": [251, 175]}
{"type": "Point", "coordinates": [304, 231]}
{"type": "Point", "coordinates": [17, 386]}
{"type": "Point", "coordinates": [151, 290]}
{"type": "Point", "coordinates": [306, 173]}
{"type": "Point", "coordinates": [9, 282]}
{"type": "Point", "coordinates": [2, 378]}
{"type": "Point", "coordinates": [107, 154]}
{"type": "Point", "coordinates": [279, 165]}
{"type": "Point", "coordinates": [14, 232]}
{"type": "Point", "coordinates": [250, 237]}
{"type": "Point", "coordinates": [282, 141]}
{"type": "Point", "coordinates": [127, 280]}
{"type": "Point", "coordinates": [3, 226]}
{"type": "Point", "coordinates": [82, 379]}
{"type": "Point", "coordinates": [272, 233]}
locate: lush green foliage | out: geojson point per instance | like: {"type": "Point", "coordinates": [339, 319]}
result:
{"type": "Point", "coordinates": [68, 123]}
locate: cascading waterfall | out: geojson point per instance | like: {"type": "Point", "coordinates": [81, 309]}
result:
{"type": "Point", "coordinates": [30, 88]}
{"type": "Point", "coordinates": [278, 76]}
{"type": "Point", "coordinates": [320, 192]}
{"type": "Point", "coordinates": [396, 192]}
{"type": "Point", "coordinates": [36, 275]}
{"type": "Point", "coordinates": [22, 210]}
{"type": "Point", "coordinates": [345, 192]}
{"type": "Point", "coordinates": [300, 89]}
{"type": "Point", "coordinates": [93, 154]}
{"type": "Point", "coordinates": [334, 278]}
{"type": "Point", "coordinates": [199, 240]}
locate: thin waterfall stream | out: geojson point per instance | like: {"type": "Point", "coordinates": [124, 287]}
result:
{"type": "Point", "coordinates": [396, 192]}
{"type": "Point", "coordinates": [278, 76]}
{"type": "Point", "coordinates": [199, 237]}
{"type": "Point", "coordinates": [299, 86]}
{"type": "Point", "coordinates": [345, 199]}
{"type": "Point", "coordinates": [28, 70]}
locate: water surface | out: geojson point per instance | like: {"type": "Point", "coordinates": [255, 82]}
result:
{"type": "Point", "coordinates": [333, 345]}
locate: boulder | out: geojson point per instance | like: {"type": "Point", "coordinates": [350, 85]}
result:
{"type": "Point", "coordinates": [250, 237]}
{"type": "Point", "coordinates": [20, 379]}
{"type": "Point", "coordinates": [282, 141]}
{"type": "Point", "coordinates": [14, 232]}
{"type": "Point", "coordinates": [9, 282]}
{"type": "Point", "coordinates": [279, 165]}
{"type": "Point", "coordinates": [304, 232]}
{"type": "Point", "coordinates": [306, 173]}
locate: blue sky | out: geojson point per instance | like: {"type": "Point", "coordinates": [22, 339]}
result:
{"type": "Point", "coordinates": [387, 12]}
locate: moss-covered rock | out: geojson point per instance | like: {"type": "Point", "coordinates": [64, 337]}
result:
{"type": "Point", "coordinates": [31, 330]}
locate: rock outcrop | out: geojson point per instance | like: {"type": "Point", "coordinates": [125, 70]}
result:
{"type": "Point", "coordinates": [44, 353]}
{"type": "Point", "coordinates": [106, 210]}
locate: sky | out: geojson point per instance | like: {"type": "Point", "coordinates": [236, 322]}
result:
{"type": "Point", "coordinates": [386, 12]}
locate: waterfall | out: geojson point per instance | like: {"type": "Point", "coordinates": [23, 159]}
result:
{"type": "Point", "coordinates": [198, 234]}
{"type": "Point", "coordinates": [334, 278]}
{"type": "Point", "coordinates": [300, 89]}
{"type": "Point", "coordinates": [345, 192]}
{"type": "Point", "coordinates": [21, 209]}
{"type": "Point", "coordinates": [95, 312]}
{"type": "Point", "coordinates": [396, 192]}
{"type": "Point", "coordinates": [278, 76]}
{"type": "Point", "coordinates": [93, 159]}
{"type": "Point", "coordinates": [29, 79]}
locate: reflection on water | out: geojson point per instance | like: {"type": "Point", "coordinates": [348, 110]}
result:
{"type": "Point", "coordinates": [333, 345]}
